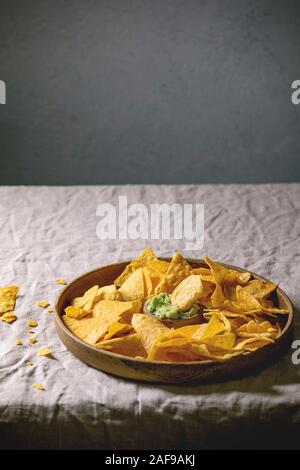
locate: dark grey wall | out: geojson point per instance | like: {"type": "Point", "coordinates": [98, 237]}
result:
{"type": "Point", "coordinates": [136, 91]}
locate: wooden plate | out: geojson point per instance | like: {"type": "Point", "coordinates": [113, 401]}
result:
{"type": "Point", "coordinates": [165, 372]}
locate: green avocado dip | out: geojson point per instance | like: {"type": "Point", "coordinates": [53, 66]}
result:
{"type": "Point", "coordinates": [160, 305]}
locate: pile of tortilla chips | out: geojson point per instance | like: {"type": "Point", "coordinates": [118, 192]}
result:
{"type": "Point", "coordinates": [238, 314]}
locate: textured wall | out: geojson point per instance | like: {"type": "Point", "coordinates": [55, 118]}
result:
{"type": "Point", "coordinates": [137, 91]}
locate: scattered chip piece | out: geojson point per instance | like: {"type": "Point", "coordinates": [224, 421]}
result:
{"type": "Point", "coordinates": [29, 363]}
{"type": "Point", "coordinates": [8, 297]}
{"type": "Point", "coordinates": [32, 340]}
{"type": "Point", "coordinates": [39, 387]}
{"type": "Point", "coordinates": [8, 317]}
{"type": "Point", "coordinates": [45, 352]}
{"type": "Point", "coordinates": [32, 323]}
{"type": "Point", "coordinates": [50, 310]}
{"type": "Point", "coordinates": [18, 342]}
{"type": "Point", "coordinates": [61, 282]}
{"type": "Point", "coordinates": [43, 303]}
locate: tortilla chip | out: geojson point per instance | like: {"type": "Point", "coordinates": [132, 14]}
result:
{"type": "Point", "coordinates": [8, 317]}
{"type": "Point", "coordinates": [148, 329]}
{"type": "Point", "coordinates": [224, 342]}
{"type": "Point", "coordinates": [88, 299]}
{"type": "Point", "coordinates": [90, 330]}
{"type": "Point", "coordinates": [151, 279]}
{"type": "Point", "coordinates": [32, 323]}
{"type": "Point", "coordinates": [116, 310]}
{"type": "Point", "coordinates": [108, 293]}
{"type": "Point", "coordinates": [62, 282]}
{"type": "Point", "coordinates": [160, 266]}
{"type": "Point", "coordinates": [118, 329]}
{"type": "Point", "coordinates": [43, 303]}
{"type": "Point", "coordinates": [213, 327]}
{"type": "Point", "coordinates": [259, 329]}
{"type": "Point", "coordinates": [178, 270]}
{"type": "Point", "coordinates": [129, 345]}
{"type": "Point", "coordinates": [18, 342]}
{"type": "Point", "coordinates": [217, 355]}
{"type": "Point", "coordinates": [8, 295]}
{"type": "Point", "coordinates": [187, 292]}
{"type": "Point", "coordinates": [45, 352]}
{"type": "Point", "coordinates": [32, 340]}
{"type": "Point", "coordinates": [75, 312]}
{"type": "Point", "coordinates": [142, 260]}
{"type": "Point", "coordinates": [252, 344]}
{"type": "Point", "coordinates": [259, 289]}
{"type": "Point", "coordinates": [134, 286]}
{"type": "Point", "coordinates": [39, 387]}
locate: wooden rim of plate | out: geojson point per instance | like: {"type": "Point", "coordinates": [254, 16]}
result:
{"type": "Point", "coordinates": [197, 263]}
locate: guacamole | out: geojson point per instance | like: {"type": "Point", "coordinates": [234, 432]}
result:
{"type": "Point", "coordinates": [160, 305]}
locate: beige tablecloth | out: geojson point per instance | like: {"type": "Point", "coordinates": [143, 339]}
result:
{"type": "Point", "coordinates": [50, 232]}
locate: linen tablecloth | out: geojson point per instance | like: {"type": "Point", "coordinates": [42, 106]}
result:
{"type": "Point", "coordinates": [50, 232]}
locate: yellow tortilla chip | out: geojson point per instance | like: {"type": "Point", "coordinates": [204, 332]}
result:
{"type": "Point", "coordinates": [258, 329]}
{"type": "Point", "coordinates": [259, 289]}
{"type": "Point", "coordinates": [45, 352]}
{"type": "Point", "coordinates": [252, 344]}
{"type": "Point", "coordinates": [62, 282]}
{"type": "Point", "coordinates": [116, 309]}
{"type": "Point", "coordinates": [118, 329]}
{"type": "Point", "coordinates": [142, 260]}
{"type": "Point", "coordinates": [32, 340]}
{"type": "Point", "coordinates": [75, 312]}
{"type": "Point", "coordinates": [134, 286]}
{"type": "Point", "coordinates": [8, 295]}
{"type": "Point", "coordinates": [213, 327]}
{"type": "Point", "coordinates": [43, 303]}
{"type": "Point", "coordinates": [207, 354]}
{"type": "Point", "coordinates": [178, 270]}
{"type": "Point", "coordinates": [8, 317]}
{"type": "Point", "coordinates": [224, 342]}
{"type": "Point", "coordinates": [129, 345]}
{"type": "Point", "coordinates": [160, 266]}
{"type": "Point", "coordinates": [108, 293]}
{"type": "Point", "coordinates": [187, 292]}
{"type": "Point", "coordinates": [88, 299]}
{"type": "Point", "coordinates": [32, 323]}
{"type": "Point", "coordinates": [151, 279]}
{"type": "Point", "coordinates": [219, 273]}
{"type": "Point", "coordinates": [29, 363]}
{"type": "Point", "coordinates": [39, 387]}
{"type": "Point", "coordinates": [90, 330]}
{"type": "Point", "coordinates": [18, 342]}
{"type": "Point", "coordinates": [148, 329]}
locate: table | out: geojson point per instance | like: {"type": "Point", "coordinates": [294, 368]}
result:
{"type": "Point", "coordinates": [50, 232]}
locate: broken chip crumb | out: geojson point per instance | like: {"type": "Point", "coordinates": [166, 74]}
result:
{"type": "Point", "coordinates": [61, 281]}
{"type": "Point", "coordinates": [50, 310]}
{"type": "Point", "coordinates": [31, 332]}
{"type": "Point", "coordinates": [39, 387]}
{"type": "Point", "coordinates": [18, 342]}
{"type": "Point", "coordinates": [32, 323]}
{"type": "Point", "coordinates": [32, 340]}
{"type": "Point", "coordinates": [45, 352]}
{"type": "Point", "coordinates": [43, 303]}
{"type": "Point", "coordinates": [29, 363]}
{"type": "Point", "coordinates": [8, 317]}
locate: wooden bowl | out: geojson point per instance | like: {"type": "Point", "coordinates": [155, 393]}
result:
{"type": "Point", "coordinates": [194, 320]}
{"type": "Point", "coordinates": [166, 372]}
